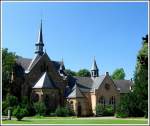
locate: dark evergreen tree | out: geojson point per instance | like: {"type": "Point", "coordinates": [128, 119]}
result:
{"type": "Point", "coordinates": [141, 77]}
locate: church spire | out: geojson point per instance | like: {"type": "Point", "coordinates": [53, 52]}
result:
{"type": "Point", "coordinates": [94, 69]}
{"type": "Point", "coordinates": [39, 45]}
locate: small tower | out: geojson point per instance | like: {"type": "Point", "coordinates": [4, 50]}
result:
{"type": "Point", "coordinates": [39, 45]}
{"type": "Point", "coordinates": [94, 69]}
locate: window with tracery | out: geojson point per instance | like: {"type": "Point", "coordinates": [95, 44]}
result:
{"type": "Point", "coordinates": [112, 100]}
{"type": "Point", "coordinates": [102, 100]}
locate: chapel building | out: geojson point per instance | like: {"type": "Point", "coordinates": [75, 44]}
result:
{"type": "Point", "coordinates": [43, 79]}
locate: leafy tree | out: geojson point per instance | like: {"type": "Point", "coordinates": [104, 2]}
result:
{"type": "Point", "coordinates": [19, 113]}
{"type": "Point", "coordinates": [141, 77]}
{"type": "Point", "coordinates": [8, 60]}
{"type": "Point", "coordinates": [83, 73]}
{"type": "Point", "coordinates": [70, 72]}
{"type": "Point", "coordinates": [118, 74]}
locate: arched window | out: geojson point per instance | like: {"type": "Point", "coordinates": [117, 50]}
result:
{"type": "Point", "coordinates": [112, 100]}
{"type": "Point", "coordinates": [102, 100]}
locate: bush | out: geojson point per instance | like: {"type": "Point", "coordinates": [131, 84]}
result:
{"type": "Point", "coordinates": [106, 110]}
{"type": "Point", "coordinates": [99, 110]}
{"type": "Point", "coordinates": [11, 100]}
{"type": "Point", "coordinates": [121, 115]}
{"type": "Point", "coordinates": [64, 111]}
{"type": "Point", "coordinates": [4, 107]}
{"type": "Point", "coordinates": [19, 113]}
{"type": "Point", "coordinates": [40, 108]}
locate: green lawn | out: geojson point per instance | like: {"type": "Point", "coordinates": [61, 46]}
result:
{"type": "Point", "coordinates": [74, 120]}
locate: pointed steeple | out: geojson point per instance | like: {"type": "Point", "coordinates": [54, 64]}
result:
{"type": "Point", "coordinates": [39, 45]}
{"type": "Point", "coordinates": [94, 69]}
{"type": "Point", "coordinates": [62, 67]}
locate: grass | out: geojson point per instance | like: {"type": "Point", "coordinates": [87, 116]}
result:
{"type": "Point", "coordinates": [74, 120]}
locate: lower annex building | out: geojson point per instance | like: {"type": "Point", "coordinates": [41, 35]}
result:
{"type": "Point", "coordinates": [42, 79]}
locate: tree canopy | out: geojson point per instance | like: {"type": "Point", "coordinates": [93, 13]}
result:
{"type": "Point", "coordinates": [118, 74]}
{"type": "Point", "coordinates": [136, 102]}
{"type": "Point", "coordinates": [8, 60]}
{"type": "Point", "coordinates": [83, 73]}
{"type": "Point", "coordinates": [141, 77]}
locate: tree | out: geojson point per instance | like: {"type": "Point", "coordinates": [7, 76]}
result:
{"type": "Point", "coordinates": [83, 73]}
{"type": "Point", "coordinates": [141, 77]}
{"type": "Point", "coordinates": [70, 72]}
{"type": "Point", "coordinates": [136, 103]}
{"type": "Point", "coordinates": [118, 74]}
{"type": "Point", "coordinates": [8, 60]}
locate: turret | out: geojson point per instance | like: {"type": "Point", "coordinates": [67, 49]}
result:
{"type": "Point", "coordinates": [94, 69]}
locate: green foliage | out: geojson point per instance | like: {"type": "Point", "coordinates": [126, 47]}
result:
{"type": "Point", "coordinates": [118, 74]}
{"type": "Point", "coordinates": [136, 103]}
{"type": "Point", "coordinates": [63, 112]}
{"type": "Point", "coordinates": [11, 100]}
{"type": "Point", "coordinates": [40, 108]}
{"type": "Point", "coordinates": [70, 72]}
{"type": "Point", "coordinates": [19, 112]}
{"type": "Point", "coordinates": [8, 60]}
{"type": "Point", "coordinates": [83, 73]}
{"type": "Point", "coordinates": [141, 78]}
{"type": "Point", "coordinates": [106, 110]}
{"type": "Point", "coordinates": [29, 107]}
{"type": "Point", "coordinates": [4, 108]}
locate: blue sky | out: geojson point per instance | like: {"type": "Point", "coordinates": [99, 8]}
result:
{"type": "Point", "coordinates": [112, 32]}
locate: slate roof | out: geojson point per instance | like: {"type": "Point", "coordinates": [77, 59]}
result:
{"type": "Point", "coordinates": [44, 82]}
{"type": "Point", "coordinates": [24, 62]}
{"type": "Point", "coordinates": [34, 61]}
{"type": "Point", "coordinates": [75, 93]}
{"type": "Point", "coordinates": [123, 85]}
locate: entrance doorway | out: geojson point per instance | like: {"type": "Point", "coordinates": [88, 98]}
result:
{"type": "Point", "coordinates": [79, 109]}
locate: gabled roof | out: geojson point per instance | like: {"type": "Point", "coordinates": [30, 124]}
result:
{"type": "Point", "coordinates": [84, 83]}
{"type": "Point", "coordinates": [123, 85]}
{"type": "Point", "coordinates": [34, 61]}
{"type": "Point", "coordinates": [75, 93]}
{"type": "Point", "coordinates": [44, 82]}
{"type": "Point", "coordinates": [98, 81]}
{"type": "Point", "coordinates": [24, 62]}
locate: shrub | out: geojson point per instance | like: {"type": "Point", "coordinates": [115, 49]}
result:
{"type": "Point", "coordinates": [40, 108]}
{"type": "Point", "coordinates": [19, 113]}
{"type": "Point", "coordinates": [60, 111]}
{"type": "Point", "coordinates": [99, 110]}
{"type": "Point", "coordinates": [4, 107]}
{"type": "Point", "coordinates": [121, 111]}
{"type": "Point", "coordinates": [106, 110]}
{"type": "Point", "coordinates": [121, 115]}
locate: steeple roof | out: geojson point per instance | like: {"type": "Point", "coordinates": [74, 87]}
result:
{"type": "Point", "coordinates": [39, 44]}
{"type": "Point", "coordinates": [44, 82]}
{"type": "Point", "coordinates": [94, 65]}
{"type": "Point", "coordinates": [40, 36]}
{"type": "Point", "coordinates": [62, 67]}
